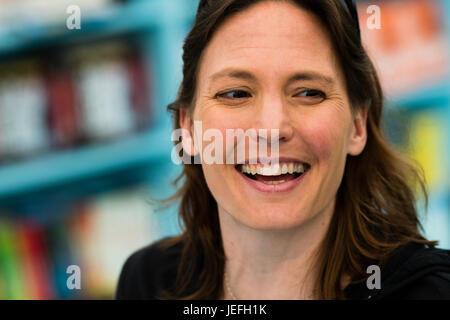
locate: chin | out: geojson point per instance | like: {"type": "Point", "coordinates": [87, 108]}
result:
{"type": "Point", "coordinates": [274, 219]}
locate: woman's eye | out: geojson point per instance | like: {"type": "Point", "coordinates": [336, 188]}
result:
{"type": "Point", "coordinates": [311, 94]}
{"type": "Point", "coordinates": [233, 94]}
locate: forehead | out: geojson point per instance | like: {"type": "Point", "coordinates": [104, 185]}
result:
{"type": "Point", "coordinates": [270, 38]}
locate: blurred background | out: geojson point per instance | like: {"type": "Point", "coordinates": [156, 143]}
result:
{"type": "Point", "coordinates": [85, 137]}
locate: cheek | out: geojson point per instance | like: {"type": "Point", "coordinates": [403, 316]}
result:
{"type": "Point", "coordinates": [326, 135]}
{"type": "Point", "coordinates": [217, 123]}
{"type": "Point", "coordinates": [220, 122]}
{"type": "Point", "coordinates": [212, 177]}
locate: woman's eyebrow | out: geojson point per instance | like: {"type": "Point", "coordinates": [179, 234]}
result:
{"type": "Point", "coordinates": [233, 73]}
{"type": "Point", "coordinates": [311, 75]}
{"type": "Point", "coordinates": [298, 76]}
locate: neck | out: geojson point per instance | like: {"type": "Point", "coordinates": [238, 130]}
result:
{"type": "Point", "coordinates": [272, 264]}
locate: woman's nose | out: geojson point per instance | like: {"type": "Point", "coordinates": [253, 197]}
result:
{"type": "Point", "coordinates": [273, 114]}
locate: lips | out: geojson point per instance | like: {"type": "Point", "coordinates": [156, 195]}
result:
{"type": "Point", "coordinates": [281, 183]}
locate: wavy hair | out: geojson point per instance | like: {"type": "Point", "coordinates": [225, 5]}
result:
{"type": "Point", "coordinates": [375, 210]}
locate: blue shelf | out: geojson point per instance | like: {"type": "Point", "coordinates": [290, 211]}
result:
{"type": "Point", "coordinates": [118, 19]}
{"type": "Point", "coordinates": [432, 95]}
{"type": "Point", "coordinates": [64, 166]}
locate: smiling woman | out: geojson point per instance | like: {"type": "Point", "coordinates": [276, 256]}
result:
{"type": "Point", "coordinates": [337, 199]}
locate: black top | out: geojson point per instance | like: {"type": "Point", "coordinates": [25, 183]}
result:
{"type": "Point", "coordinates": [414, 271]}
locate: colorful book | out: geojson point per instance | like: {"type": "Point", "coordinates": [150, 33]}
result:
{"type": "Point", "coordinates": [36, 259]}
{"type": "Point", "coordinates": [10, 266]}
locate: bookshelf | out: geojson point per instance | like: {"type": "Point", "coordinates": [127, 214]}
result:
{"type": "Point", "coordinates": [51, 191]}
{"type": "Point", "coordinates": [159, 29]}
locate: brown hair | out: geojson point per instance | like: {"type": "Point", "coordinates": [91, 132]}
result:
{"type": "Point", "coordinates": [375, 209]}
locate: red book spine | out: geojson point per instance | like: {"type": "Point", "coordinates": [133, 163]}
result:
{"type": "Point", "coordinates": [27, 260]}
{"type": "Point", "coordinates": [62, 102]}
{"type": "Point", "coordinates": [37, 265]}
{"type": "Point", "coordinates": [139, 89]}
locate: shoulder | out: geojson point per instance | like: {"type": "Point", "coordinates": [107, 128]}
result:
{"type": "Point", "coordinates": [413, 271]}
{"type": "Point", "coordinates": [417, 272]}
{"type": "Point", "coordinates": [149, 271]}
{"type": "Point", "coordinates": [432, 286]}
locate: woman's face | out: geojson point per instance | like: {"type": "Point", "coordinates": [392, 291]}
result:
{"type": "Point", "coordinates": [272, 66]}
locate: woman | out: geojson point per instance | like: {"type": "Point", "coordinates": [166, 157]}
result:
{"type": "Point", "coordinates": [345, 204]}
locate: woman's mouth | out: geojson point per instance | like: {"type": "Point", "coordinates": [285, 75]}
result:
{"type": "Point", "coordinates": [278, 177]}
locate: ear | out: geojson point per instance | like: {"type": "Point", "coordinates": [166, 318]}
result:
{"type": "Point", "coordinates": [187, 133]}
{"type": "Point", "coordinates": [358, 137]}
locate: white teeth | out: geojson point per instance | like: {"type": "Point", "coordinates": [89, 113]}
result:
{"type": "Point", "coordinates": [273, 170]}
{"type": "Point", "coordinates": [276, 169]}
{"type": "Point", "coordinates": [266, 170]}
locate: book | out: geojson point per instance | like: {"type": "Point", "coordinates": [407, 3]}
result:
{"type": "Point", "coordinates": [23, 117]}
{"type": "Point", "coordinates": [62, 106]}
{"type": "Point", "coordinates": [61, 257]}
{"type": "Point", "coordinates": [103, 91]}
{"type": "Point", "coordinates": [140, 82]}
{"type": "Point", "coordinates": [108, 229]}
{"type": "Point", "coordinates": [10, 266]}
{"type": "Point", "coordinates": [36, 260]}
